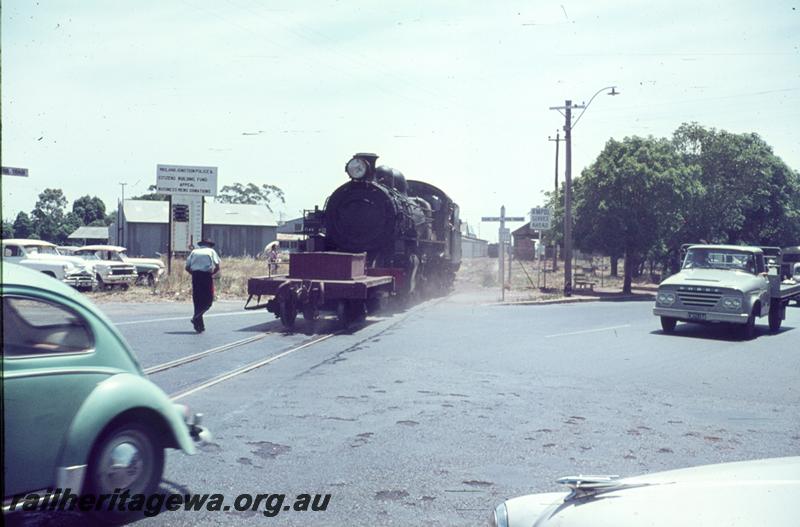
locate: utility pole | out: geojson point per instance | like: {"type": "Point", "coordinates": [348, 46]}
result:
{"type": "Point", "coordinates": [568, 126]}
{"type": "Point", "coordinates": [568, 107]}
{"type": "Point", "coordinates": [555, 199]}
{"type": "Point", "coordinates": [120, 229]}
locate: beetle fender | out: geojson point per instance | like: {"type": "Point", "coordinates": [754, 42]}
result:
{"type": "Point", "coordinates": [112, 397]}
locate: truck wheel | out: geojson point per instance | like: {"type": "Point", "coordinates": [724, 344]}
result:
{"type": "Point", "coordinates": [668, 324]}
{"type": "Point", "coordinates": [775, 318]}
{"type": "Point", "coordinates": [748, 330]}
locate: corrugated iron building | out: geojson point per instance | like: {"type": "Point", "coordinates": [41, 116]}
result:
{"type": "Point", "coordinates": [237, 230]}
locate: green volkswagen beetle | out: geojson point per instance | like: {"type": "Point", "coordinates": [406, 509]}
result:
{"type": "Point", "coordinates": [79, 411]}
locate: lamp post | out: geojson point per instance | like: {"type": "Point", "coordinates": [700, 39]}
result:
{"type": "Point", "coordinates": [568, 127]}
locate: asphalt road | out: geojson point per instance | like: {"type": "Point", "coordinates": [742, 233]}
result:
{"type": "Point", "coordinates": [434, 415]}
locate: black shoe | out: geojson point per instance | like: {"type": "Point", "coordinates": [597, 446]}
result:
{"type": "Point", "coordinates": [196, 326]}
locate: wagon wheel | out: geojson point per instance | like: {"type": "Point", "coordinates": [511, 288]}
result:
{"type": "Point", "coordinates": [288, 309]}
{"type": "Point", "coordinates": [310, 312]}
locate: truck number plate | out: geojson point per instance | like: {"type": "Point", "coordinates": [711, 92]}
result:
{"type": "Point", "coordinates": [697, 316]}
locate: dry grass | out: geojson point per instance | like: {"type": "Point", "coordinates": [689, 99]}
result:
{"type": "Point", "coordinates": [527, 280]}
{"type": "Point", "coordinates": [229, 284]}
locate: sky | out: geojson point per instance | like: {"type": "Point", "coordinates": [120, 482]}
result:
{"type": "Point", "coordinates": [455, 93]}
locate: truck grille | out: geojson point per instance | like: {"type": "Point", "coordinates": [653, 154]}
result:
{"type": "Point", "coordinates": [698, 298]}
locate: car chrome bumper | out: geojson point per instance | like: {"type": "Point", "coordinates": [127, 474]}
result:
{"type": "Point", "coordinates": [199, 433]}
{"type": "Point", "coordinates": [79, 281]}
{"type": "Point", "coordinates": [120, 278]}
{"type": "Point", "coordinates": [709, 316]}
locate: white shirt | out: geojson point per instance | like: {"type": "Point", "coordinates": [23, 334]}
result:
{"type": "Point", "coordinates": [202, 259]}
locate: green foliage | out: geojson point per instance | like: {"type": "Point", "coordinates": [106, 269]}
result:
{"type": "Point", "coordinates": [645, 197]}
{"type": "Point", "coordinates": [8, 229]}
{"type": "Point", "coordinates": [152, 195]}
{"type": "Point", "coordinates": [89, 210]}
{"type": "Point", "coordinates": [250, 194]}
{"type": "Point", "coordinates": [632, 197]}
{"type": "Point", "coordinates": [750, 195]}
{"type": "Point", "coordinates": [23, 226]}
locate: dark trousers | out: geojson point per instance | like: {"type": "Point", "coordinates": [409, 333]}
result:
{"type": "Point", "coordinates": [202, 294]}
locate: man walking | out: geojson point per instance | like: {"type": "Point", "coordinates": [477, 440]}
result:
{"type": "Point", "coordinates": [202, 264]}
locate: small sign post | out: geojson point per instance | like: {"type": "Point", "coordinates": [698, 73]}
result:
{"type": "Point", "coordinates": [503, 236]}
{"type": "Point", "coordinates": [541, 218]}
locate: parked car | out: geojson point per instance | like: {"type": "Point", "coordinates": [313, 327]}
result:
{"type": "Point", "coordinates": [109, 273]}
{"type": "Point", "coordinates": [80, 413]}
{"type": "Point", "coordinates": [746, 493]}
{"type": "Point", "coordinates": [149, 270]}
{"type": "Point", "coordinates": [44, 257]}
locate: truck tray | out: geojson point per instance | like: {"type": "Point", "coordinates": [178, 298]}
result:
{"type": "Point", "coordinates": [788, 291]}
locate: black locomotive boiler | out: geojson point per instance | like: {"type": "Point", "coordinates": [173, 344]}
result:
{"type": "Point", "coordinates": [378, 235]}
{"type": "Point", "coordinates": [408, 229]}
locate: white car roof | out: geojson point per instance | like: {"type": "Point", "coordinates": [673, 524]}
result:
{"type": "Point", "coordinates": [23, 241]}
{"type": "Point", "coordinates": [103, 248]}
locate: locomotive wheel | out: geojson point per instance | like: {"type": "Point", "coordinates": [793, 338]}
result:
{"type": "Point", "coordinates": [288, 310]}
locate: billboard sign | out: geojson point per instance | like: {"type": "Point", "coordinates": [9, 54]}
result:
{"type": "Point", "coordinates": [178, 179]}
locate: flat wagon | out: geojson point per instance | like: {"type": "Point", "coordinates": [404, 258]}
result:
{"type": "Point", "coordinates": [321, 281]}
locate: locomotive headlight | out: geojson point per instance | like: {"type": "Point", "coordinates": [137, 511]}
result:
{"type": "Point", "coordinates": [356, 168]}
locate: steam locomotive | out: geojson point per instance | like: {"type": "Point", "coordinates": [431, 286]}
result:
{"type": "Point", "coordinates": [377, 234]}
{"type": "Point", "coordinates": [408, 229]}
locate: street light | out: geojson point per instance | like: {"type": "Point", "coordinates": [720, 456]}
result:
{"type": "Point", "coordinates": [568, 126]}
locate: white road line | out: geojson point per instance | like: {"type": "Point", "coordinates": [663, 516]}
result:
{"type": "Point", "coordinates": [245, 369]}
{"type": "Point", "coordinates": [587, 331]}
{"type": "Point", "coordinates": [187, 317]}
{"type": "Point", "coordinates": [195, 356]}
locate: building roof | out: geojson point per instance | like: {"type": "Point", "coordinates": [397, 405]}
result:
{"type": "Point", "coordinates": [90, 233]}
{"type": "Point", "coordinates": [525, 230]}
{"type": "Point", "coordinates": [144, 211]}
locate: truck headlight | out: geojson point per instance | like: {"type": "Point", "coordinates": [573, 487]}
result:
{"type": "Point", "coordinates": [730, 302]}
{"type": "Point", "coordinates": [665, 298]}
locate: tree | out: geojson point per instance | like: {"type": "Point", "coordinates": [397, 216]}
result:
{"type": "Point", "coordinates": [152, 195]}
{"type": "Point", "coordinates": [751, 195]}
{"type": "Point", "coordinates": [89, 209]}
{"type": "Point", "coordinates": [250, 194]}
{"type": "Point", "coordinates": [8, 229]}
{"type": "Point", "coordinates": [23, 226]}
{"type": "Point", "coordinates": [632, 197]}
{"type": "Point", "coordinates": [48, 214]}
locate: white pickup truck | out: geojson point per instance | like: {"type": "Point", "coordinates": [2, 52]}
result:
{"type": "Point", "coordinates": [44, 257]}
{"type": "Point", "coordinates": [726, 283]}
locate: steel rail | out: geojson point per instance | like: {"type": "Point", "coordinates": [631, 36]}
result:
{"type": "Point", "coordinates": [199, 355]}
{"type": "Point", "coordinates": [246, 368]}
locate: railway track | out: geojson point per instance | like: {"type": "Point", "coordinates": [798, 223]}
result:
{"type": "Point", "coordinates": [227, 375]}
